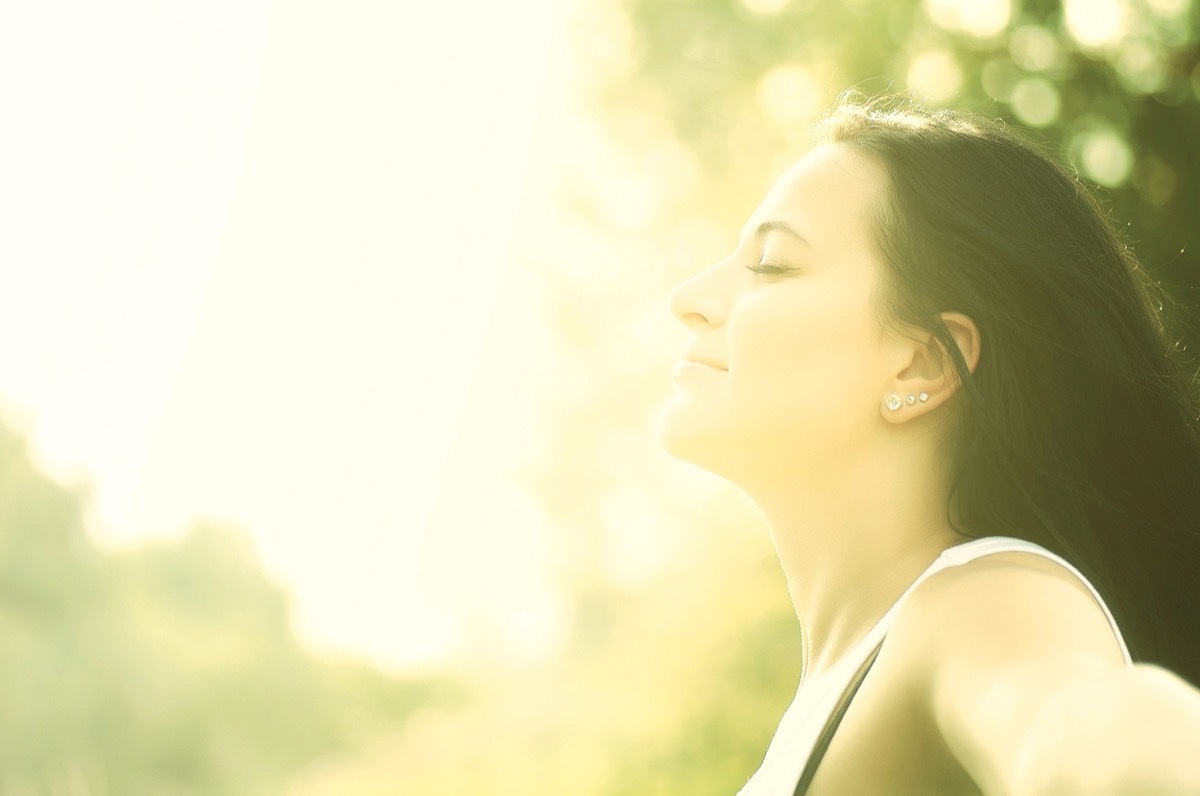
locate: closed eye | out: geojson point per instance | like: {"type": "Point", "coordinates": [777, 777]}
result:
{"type": "Point", "coordinates": [771, 269]}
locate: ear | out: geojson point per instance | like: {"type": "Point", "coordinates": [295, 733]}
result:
{"type": "Point", "coordinates": [927, 377]}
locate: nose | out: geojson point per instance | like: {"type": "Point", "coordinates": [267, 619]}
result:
{"type": "Point", "coordinates": [697, 301]}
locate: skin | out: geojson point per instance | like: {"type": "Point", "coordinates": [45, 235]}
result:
{"type": "Point", "coordinates": [999, 676]}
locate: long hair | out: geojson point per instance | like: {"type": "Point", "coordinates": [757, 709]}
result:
{"type": "Point", "coordinates": [1079, 428]}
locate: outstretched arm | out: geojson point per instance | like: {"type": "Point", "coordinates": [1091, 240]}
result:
{"type": "Point", "coordinates": [1029, 689]}
{"type": "Point", "coordinates": [1128, 730]}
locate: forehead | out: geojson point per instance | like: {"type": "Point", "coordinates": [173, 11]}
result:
{"type": "Point", "coordinates": [826, 195]}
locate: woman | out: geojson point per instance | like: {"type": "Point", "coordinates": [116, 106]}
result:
{"type": "Point", "coordinates": [946, 383]}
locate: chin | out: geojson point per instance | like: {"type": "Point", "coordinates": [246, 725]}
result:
{"type": "Point", "coordinates": [691, 439]}
{"type": "Point", "coordinates": [673, 433]}
{"type": "Point", "coordinates": [744, 454]}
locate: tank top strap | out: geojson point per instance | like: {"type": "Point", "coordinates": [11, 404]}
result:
{"type": "Point", "coordinates": [978, 548]}
{"type": "Point", "coordinates": [812, 718]}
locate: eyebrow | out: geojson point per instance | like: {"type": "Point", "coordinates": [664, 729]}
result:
{"type": "Point", "coordinates": [767, 227]}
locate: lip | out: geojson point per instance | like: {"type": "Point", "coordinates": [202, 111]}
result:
{"type": "Point", "coordinates": [688, 367]}
{"type": "Point", "coordinates": [699, 360]}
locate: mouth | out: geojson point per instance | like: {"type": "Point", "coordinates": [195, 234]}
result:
{"type": "Point", "coordinates": [695, 367]}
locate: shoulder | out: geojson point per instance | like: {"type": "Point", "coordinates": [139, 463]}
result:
{"type": "Point", "coordinates": [1003, 606]}
{"type": "Point", "coordinates": [991, 621]}
{"type": "Point", "coordinates": [984, 644]}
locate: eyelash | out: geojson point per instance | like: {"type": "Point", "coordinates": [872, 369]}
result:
{"type": "Point", "coordinates": [770, 269]}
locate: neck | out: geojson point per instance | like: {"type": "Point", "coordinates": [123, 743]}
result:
{"type": "Point", "coordinates": [850, 543]}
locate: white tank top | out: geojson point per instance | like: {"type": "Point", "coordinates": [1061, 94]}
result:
{"type": "Point", "coordinates": [811, 708]}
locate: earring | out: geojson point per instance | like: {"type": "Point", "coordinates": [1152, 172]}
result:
{"type": "Point", "coordinates": [924, 397]}
{"type": "Point", "coordinates": [892, 401]}
{"type": "Point", "coordinates": [910, 400]}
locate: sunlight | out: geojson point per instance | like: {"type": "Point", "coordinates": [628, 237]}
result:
{"type": "Point", "coordinates": [268, 291]}
{"type": "Point", "coordinates": [790, 95]}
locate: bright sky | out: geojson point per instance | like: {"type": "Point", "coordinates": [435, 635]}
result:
{"type": "Point", "coordinates": [252, 257]}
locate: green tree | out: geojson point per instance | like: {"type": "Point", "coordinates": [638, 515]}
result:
{"type": "Point", "coordinates": [166, 668]}
{"type": "Point", "coordinates": [1112, 86]}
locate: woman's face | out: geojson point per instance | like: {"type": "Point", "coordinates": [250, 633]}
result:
{"type": "Point", "coordinates": [789, 363]}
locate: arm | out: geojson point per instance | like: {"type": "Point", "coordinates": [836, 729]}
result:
{"type": "Point", "coordinates": [1027, 686]}
{"type": "Point", "coordinates": [1130, 730]}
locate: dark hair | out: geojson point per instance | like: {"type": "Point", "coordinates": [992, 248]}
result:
{"type": "Point", "coordinates": [1079, 428]}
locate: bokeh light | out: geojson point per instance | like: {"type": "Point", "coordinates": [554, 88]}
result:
{"type": "Point", "coordinates": [1096, 23]}
{"type": "Point", "coordinates": [790, 95]}
{"type": "Point", "coordinates": [935, 74]}
{"type": "Point", "coordinates": [602, 42]}
{"type": "Point", "coordinates": [1036, 101]}
{"type": "Point", "coordinates": [1035, 49]}
{"type": "Point", "coordinates": [765, 6]}
{"type": "Point", "coordinates": [1141, 66]}
{"type": "Point", "coordinates": [1169, 9]}
{"type": "Point", "coordinates": [980, 18]}
{"type": "Point", "coordinates": [1103, 156]}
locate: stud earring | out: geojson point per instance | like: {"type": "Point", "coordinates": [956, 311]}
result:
{"type": "Point", "coordinates": [910, 400]}
{"type": "Point", "coordinates": [892, 401]}
{"type": "Point", "coordinates": [924, 397]}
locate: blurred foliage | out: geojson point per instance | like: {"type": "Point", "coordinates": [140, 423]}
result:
{"type": "Point", "coordinates": [1112, 86]}
{"type": "Point", "coordinates": [168, 668]}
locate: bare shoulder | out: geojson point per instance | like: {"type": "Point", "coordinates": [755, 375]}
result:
{"type": "Point", "coordinates": [986, 644]}
{"type": "Point", "coordinates": [976, 655]}
{"type": "Point", "coordinates": [1004, 607]}
{"type": "Point", "coordinates": [1004, 675]}
{"type": "Point", "coordinates": [974, 652]}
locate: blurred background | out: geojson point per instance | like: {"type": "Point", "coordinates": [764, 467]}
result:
{"type": "Point", "coordinates": [332, 340]}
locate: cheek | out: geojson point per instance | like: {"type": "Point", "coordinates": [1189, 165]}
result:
{"type": "Point", "coordinates": [813, 360]}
